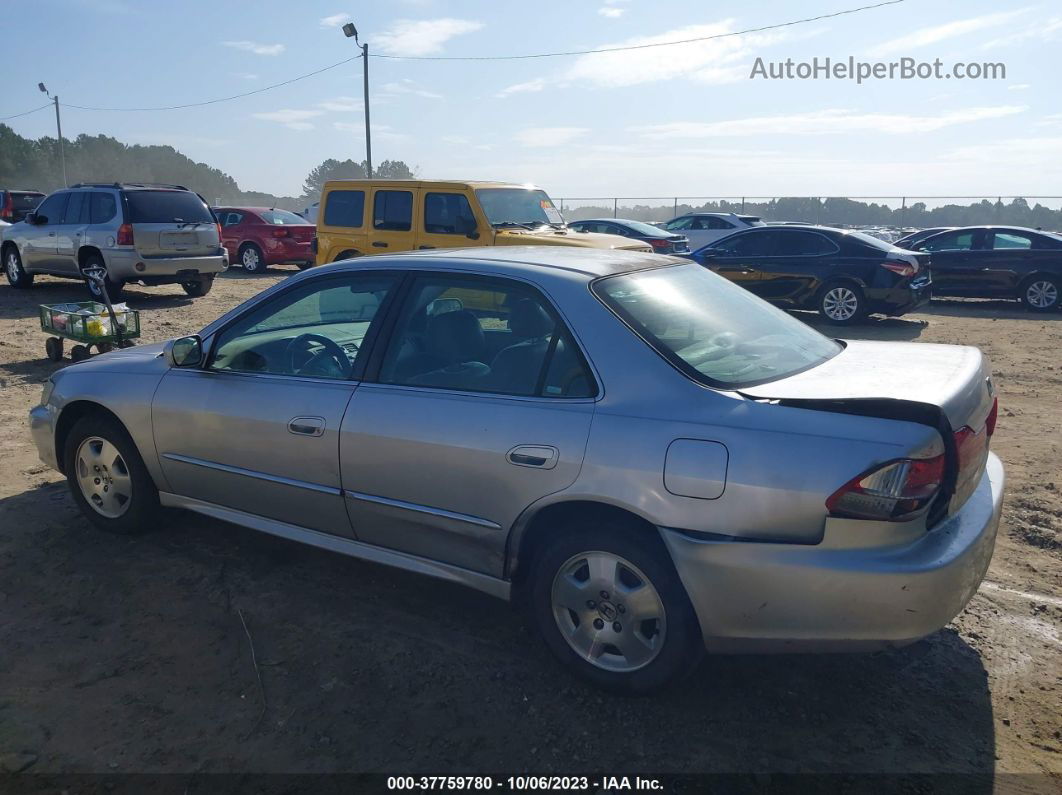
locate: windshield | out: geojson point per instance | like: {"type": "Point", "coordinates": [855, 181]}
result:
{"type": "Point", "coordinates": [713, 330]}
{"type": "Point", "coordinates": [281, 217]}
{"type": "Point", "coordinates": [521, 206]}
{"type": "Point", "coordinates": [167, 206]}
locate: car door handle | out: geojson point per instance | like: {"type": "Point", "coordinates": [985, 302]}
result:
{"type": "Point", "coordinates": [424, 247]}
{"type": "Point", "coordinates": [307, 426]}
{"type": "Point", "coordinates": [379, 244]}
{"type": "Point", "coordinates": [533, 455]}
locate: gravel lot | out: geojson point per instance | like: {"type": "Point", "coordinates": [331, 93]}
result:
{"type": "Point", "coordinates": [131, 655]}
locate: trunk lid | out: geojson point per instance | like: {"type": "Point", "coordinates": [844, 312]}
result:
{"type": "Point", "coordinates": [956, 379]}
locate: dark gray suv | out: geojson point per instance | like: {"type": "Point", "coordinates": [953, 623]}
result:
{"type": "Point", "coordinates": [152, 234]}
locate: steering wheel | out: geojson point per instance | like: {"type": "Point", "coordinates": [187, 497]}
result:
{"type": "Point", "coordinates": [331, 351]}
{"type": "Point", "coordinates": [714, 347]}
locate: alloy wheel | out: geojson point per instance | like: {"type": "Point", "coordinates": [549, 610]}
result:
{"type": "Point", "coordinates": [103, 477]}
{"type": "Point", "coordinates": [250, 259]}
{"type": "Point", "coordinates": [1042, 294]}
{"type": "Point", "coordinates": [840, 303]}
{"type": "Point", "coordinates": [608, 611]}
{"type": "Point", "coordinates": [12, 266]}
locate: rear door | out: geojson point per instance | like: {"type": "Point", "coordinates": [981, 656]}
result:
{"type": "Point", "coordinates": [956, 261]}
{"type": "Point", "coordinates": [446, 220]}
{"type": "Point", "coordinates": [1011, 256]}
{"type": "Point", "coordinates": [455, 440]}
{"type": "Point", "coordinates": [391, 227]}
{"type": "Point", "coordinates": [231, 231]}
{"type": "Point", "coordinates": [171, 223]}
{"type": "Point", "coordinates": [39, 251]}
{"type": "Point", "coordinates": [69, 234]}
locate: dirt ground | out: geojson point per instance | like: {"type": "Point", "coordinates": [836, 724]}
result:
{"type": "Point", "coordinates": [135, 654]}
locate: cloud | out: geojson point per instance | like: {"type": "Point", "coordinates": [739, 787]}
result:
{"type": "Point", "coordinates": [549, 136]}
{"type": "Point", "coordinates": [292, 119]}
{"type": "Point", "coordinates": [703, 60]}
{"type": "Point", "coordinates": [245, 75]}
{"type": "Point", "coordinates": [422, 37]}
{"type": "Point", "coordinates": [380, 132]}
{"type": "Point", "coordinates": [611, 13]}
{"type": "Point", "coordinates": [340, 104]}
{"type": "Point", "coordinates": [826, 122]}
{"type": "Point", "coordinates": [537, 84]}
{"type": "Point", "coordinates": [335, 20]}
{"type": "Point", "coordinates": [406, 86]}
{"type": "Point", "coordinates": [255, 47]}
{"type": "Point", "coordinates": [938, 33]}
{"type": "Point", "coordinates": [1019, 87]}
{"type": "Point", "coordinates": [1041, 31]}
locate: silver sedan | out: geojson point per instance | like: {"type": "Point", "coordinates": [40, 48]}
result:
{"type": "Point", "coordinates": [648, 459]}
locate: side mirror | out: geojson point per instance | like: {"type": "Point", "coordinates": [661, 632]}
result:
{"type": "Point", "coordinates": [36, 220]}
{"type": "Point", "coordinates": [183, 351]}
{"type": "Point", "coordinates": [709, 253]}
{"type": "Point", "coordinates": [467, 227]}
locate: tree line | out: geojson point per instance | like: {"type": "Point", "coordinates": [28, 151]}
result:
{"type": "Point", "coordinates": [33, 164]}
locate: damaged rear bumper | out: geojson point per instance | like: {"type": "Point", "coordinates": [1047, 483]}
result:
{"type": "Point", "coordinates": [865, 586]}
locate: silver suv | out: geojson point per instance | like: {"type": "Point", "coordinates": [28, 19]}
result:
{"type": "Point", "coordinates": [153, 234]}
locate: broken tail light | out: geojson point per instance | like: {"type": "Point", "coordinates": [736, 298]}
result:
{"type": "Point", "coordinates": [890, 492]}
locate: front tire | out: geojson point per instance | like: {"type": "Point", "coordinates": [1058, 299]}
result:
{"type": "Point", "coordinates": [252, 258]}
{"type": "Point", "coordinates": [841, 303]}
{"type": "Point", "coordinates": [16, 274]}
{"type": "Point", "coordinates": [199, 287]}
{"type": "Point", "coordinates": [107, 476]}
{"type": "Point", "coordinates": [609, 605]}
{"type": "Point", "coordinates": [1041, 294]}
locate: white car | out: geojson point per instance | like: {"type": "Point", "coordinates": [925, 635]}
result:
{"type": "Point", "coordinates": [704, 228]}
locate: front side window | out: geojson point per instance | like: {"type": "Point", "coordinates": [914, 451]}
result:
{"type": "Point", "coordinates": [448, 214]}
{"type": "Point", "coordinates": [345, 208]}
{"type": "Point", "coordinates": [392, 210]}
{"type": "Point", "coordinates": [711, 329]}
{"type": "Point", "coordinates": [486, 335]}
{"type": "Point", "coordinates": [229, 218]}
{"type": "Point", "coordinates": [167, 207]}
{"type": "Point", "coordinates": [314, 330]}
{"type": "Point", "coordinates": [749, 244]}
{"type": "Point", "coordinates": [103, 208]}
{"type": "Point", "coordinates": [51, 209]}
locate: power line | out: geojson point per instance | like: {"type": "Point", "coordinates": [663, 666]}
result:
{"type": "Point", "coordinates": [263, 89]}
{"type": "Point", "coordinates": [26, 112]}
{"type": "Point", "coordinates": [633, 46]}
{"type": "Point", "coordinates": [220, 99]}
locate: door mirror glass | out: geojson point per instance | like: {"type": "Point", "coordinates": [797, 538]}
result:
{"type": "Point", "coordinates": [184, 351]}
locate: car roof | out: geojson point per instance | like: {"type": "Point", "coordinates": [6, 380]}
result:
{"type": "Point", "coordinates": [430, 183]}
{"type": "Point", "coordinates": [248, 208]}
{"type": "Point", "coordinates": [21, 190]}
{"type": "Point", "coordinates": [590, 263]}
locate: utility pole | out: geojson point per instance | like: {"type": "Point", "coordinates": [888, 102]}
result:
{"type": "Point", "coordinates": [59, 131]}
{"type": "Point", "coordinates": [352, 32]}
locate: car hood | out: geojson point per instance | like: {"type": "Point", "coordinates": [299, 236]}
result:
{"type": "Point", "coordinates": [145, 358]}
{"type": "Point", "coordinates": [566, 237]}
{"type": "Point", "coordinates": [955, 378]}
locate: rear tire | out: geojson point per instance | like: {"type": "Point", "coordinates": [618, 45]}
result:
{"type": "Point", "coordinates": [107, 476]}
{"type": "Point", "coordinates": [346, 255]}
{"type": "Point", "coordinates": [252, 258]}
{"type": "Point", "coordinates": [1041, 294]}
{"type": "Point", "coordinates": [114, 288]}
{"type": "Point", "coordinates": [609, 604]}
{"type": "Point", "coordinates": [16, 274]}
{"type": "Point", "coordinates": [304, 265]}
{"type": "Point", "coordinates": [841, 303]}
{"type": "Point", "coordinates": [199, 287]}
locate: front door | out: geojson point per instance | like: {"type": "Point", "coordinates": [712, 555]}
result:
{"type": "Point", "coordinates": [446, 220]}
{"type": "Point", "coordinates": [741, 258]}
{"type": "Point", "coordinates": [482, 406]}
{"type": "Point", "coordinates": [955, 262]}
{"type": "Point", "coordinates": [39, 251]}
{"type": "Point", "coordinates": [257, 428]}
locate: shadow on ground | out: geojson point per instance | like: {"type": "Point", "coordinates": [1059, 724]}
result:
{"type": "Point", "coordinates": [134, 654]}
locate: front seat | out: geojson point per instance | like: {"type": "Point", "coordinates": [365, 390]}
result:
{"type": "Point", "coordinates": [516, 369]}
{"type": "Point", "coordinates": [456, 344]}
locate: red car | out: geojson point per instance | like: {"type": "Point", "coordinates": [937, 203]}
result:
{"type": "Point", "coordinates": [257, 237]}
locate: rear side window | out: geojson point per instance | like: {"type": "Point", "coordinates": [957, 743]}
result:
{"type": "Point", "coordinates": [795, 244]}
{"type": "Point", "coordinates": [345, 208]}
{"type": "Point", "coordinates": [950, 241]}
{"type": "Point", "coordinates": [167, 207]}
{"type": "Point", "coordinates": [77, 208]}
{"type": "Point", "coordinates": [392, 210]}
{"type": "Point", "coordinates": [102, 208]}
{"type": "Point", "coordinates": [447, 214]}
{"type": "Point", "coordinates": [1010, 240]}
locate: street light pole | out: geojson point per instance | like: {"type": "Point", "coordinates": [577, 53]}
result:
{"type": "Point", "coordinates": [352, 32]}
{"type": "Point", "coordinates": [59, 130]}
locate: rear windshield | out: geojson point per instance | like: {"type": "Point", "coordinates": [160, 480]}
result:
{"type": "Point", "coordinates": [752, 220]}
{"type": "Point", "coordinates": [713, 330]}
{"type": "Point", "coordinates": [166, 206]}
{"type": "Point", "coordinates": [25, 201]}
{"type": "Point", "coordinates": [281, 217]}
{"type": "Point", "coordinates": [871, 241]}
{"type": "Point", "coordinates": [645, 229]}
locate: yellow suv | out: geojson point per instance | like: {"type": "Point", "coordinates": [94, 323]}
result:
{"type": "Point", "coordinates": [368, 216]}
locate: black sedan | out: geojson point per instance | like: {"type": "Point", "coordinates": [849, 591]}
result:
{"type": "Point", "coordinates": [662, 241]}
{"type": "Point", "coordinates": [998, 262]}
{"type": "Point", "coordinates": [917, 237]}
{"type": "Point", "coordinates": [842, 274]}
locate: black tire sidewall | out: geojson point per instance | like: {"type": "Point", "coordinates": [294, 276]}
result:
{"type": "Point", "coordinates": [1030, 282]}
{"type": "Point", "coordinates": [199, 288]}
{"type": "Point", "coordinates": [144, 506]}
{"type": "Point", "coordinates": [683, 645]}
{"type": "Point", "coordinates": [861, 306]}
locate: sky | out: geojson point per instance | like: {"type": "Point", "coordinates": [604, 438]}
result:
{"type": "Point", "coordinates": [683, 120]}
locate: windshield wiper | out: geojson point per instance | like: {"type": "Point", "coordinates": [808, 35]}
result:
{"type": "Point", "coordinates": [182, 224]}
{"type": "Point", "coordinates": [512, 223]}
